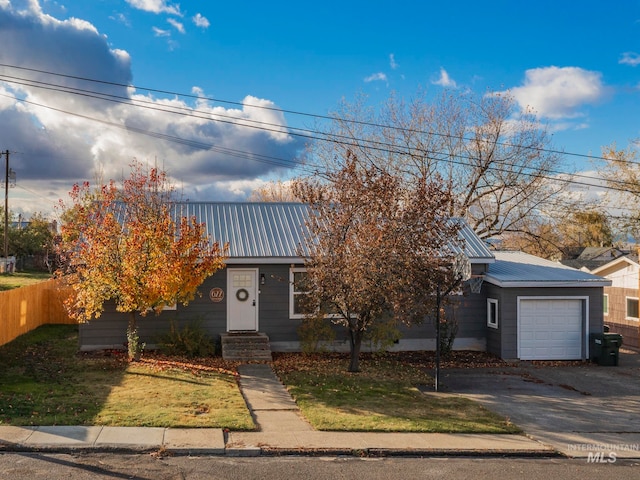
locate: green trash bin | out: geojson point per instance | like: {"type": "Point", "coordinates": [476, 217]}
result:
{"type": "Point", "coordinates": [605, 348]}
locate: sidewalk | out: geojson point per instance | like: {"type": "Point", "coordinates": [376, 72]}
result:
{"type": "Point", "coordinates": [281, 431]}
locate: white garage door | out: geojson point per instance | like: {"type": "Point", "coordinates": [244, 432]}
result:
{"type": "Point", "coordinates": [550, 329]}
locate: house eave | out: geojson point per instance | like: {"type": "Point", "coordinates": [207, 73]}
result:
{"type": "Point", "coordinates": [547, 283]}
{"type": "Point", "coordinates": [482, 260]}
{"type": "Point", "coordinates": [301, 260]}
{"type": "Point", "coordinates": [264, 260]}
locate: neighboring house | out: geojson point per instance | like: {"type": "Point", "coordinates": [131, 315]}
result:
{"type": "Point", "coordinates": [589, 258]}
{"type": "Point", "coordinates": [257, 292]}
{"type": "Point", "coordinates": [620, 303]}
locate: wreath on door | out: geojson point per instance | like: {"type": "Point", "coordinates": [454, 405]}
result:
{"type": "Point", "coordinates": [242, 294]}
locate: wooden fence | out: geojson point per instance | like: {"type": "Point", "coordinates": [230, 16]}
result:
{"type": "Point", "coordinates": [23, 309]}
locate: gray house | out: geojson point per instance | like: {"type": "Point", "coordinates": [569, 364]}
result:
{"type": "Point", "coordinates": [256, 292]}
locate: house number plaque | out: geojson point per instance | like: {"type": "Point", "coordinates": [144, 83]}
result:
{"type": "Point", "coordinates": [216, 294]}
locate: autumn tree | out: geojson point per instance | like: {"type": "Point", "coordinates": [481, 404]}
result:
{"type": "Point", "coordinates": [557, 238]}
{"type": "Point", "coordinates": [376, 248]}
{"type": "Point", "coordinates": [621, 173]}
{"type": "Point", "coordinates": [34, 239]}
{"type": "Point", "coordinates": [274, 191]}
{"type": "Point", "coordinates": [129, 245]}
{"type": "Point", "coordinates": [29, 238]}
{"type": "Point", "coordinates": [496, 157]}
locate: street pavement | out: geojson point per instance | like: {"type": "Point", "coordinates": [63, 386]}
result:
{"type": "Point", "coordinates": [569, 410]}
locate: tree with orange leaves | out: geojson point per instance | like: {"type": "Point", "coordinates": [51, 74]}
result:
{"type": "Point", "coordinates": [127, 245]}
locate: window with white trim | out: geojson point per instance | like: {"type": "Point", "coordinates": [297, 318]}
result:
{"type": "Point", "coordinates": [297, 292]}
{"type": "Point", "coordinates": [492, 312]}
{"type": "Point", "coordinates": [632, 308]}
{"type": "Point", "coordinates": [166, 308]}
{"type": "Point", "coordinates": [298, 304]}
{"type": "Point", "coordinates": [605, 304]}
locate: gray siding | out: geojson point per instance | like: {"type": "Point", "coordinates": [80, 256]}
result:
{"type": "Point", "coordinates": [494, 335]}
{"type": "Point", "coordinates": [110, 329]}
{"type": "Point", "coordinates": [507, 333]}
{"type": "Point", "coordinates": [469, 310]}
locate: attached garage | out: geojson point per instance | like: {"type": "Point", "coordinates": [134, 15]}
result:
{"type": "Point", "coordinates": [540, 310]}
{"type": "Point", "coordinates": [551, 328]}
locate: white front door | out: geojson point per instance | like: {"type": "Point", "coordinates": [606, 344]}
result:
{"type": "Point", "coordinates": [242, 304]}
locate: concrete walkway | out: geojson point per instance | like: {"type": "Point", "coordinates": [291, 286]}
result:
{"type": "Point", "coordinates": [282, 430]}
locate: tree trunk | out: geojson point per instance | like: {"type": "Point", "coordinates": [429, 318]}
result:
{"type": "Point", "coordinates": [133, 342]}
{"type": "Point", "coordinates": [355, 343]}
{"type": "Point", "coordinates": [131, 327]}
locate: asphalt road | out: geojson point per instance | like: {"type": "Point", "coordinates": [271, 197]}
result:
{"type": "Point", "coordinates": [34, 466]}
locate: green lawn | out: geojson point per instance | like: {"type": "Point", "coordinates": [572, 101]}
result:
{"type": "Point", "coordinates": [21, 279]}
{"type": "Point", "coordinates": [383, 396]}
{"type": "Point", "coordinates": [45, 381]}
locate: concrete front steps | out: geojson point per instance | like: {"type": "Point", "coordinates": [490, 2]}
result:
{"type": "Point", "coordinates": [245, 346]}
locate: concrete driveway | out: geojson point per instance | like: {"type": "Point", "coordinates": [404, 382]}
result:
{"type": "Point", "coordinates": [581, 410]}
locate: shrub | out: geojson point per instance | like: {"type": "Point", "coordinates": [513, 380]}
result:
{"type": "Point", "coordinates": [134, 346]}
{"type": "Point", "coordinates": [189, 341]}
{"type": "Point", "coordinates": [448, 331]}
{"type": "Point", "coordinates": [382, 334]}
{"type": "Point", "coordinates": [313, 331]}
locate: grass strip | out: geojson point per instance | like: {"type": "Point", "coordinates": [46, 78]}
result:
{"type": "Point", "coordinates": [21, 279]}
{"type": "Point", "coordinates": [383, 397]}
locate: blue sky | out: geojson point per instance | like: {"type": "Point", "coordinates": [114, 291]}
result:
{"type": "Point", "coordinates": [576, 63]}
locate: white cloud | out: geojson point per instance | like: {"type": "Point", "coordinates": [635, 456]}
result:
{"type": "Point", "coordinates": [558, 93]}
{"type": "Point", "coordinates": [392, 61]}
{"type": "Point", "coordinates": [156, 6]}
{"type": "Point", "coordinates": [376, 77]}
{"type": "Point", "coordinates": [219, 153]}
{"type": "Point", "coordinates": [200, 21]}
{"type": "Point", "coordinates": [158, 32]}
{"type": "Point", "coordinates": [176, 24]}
{"type": "Point", "coordinates": [630, 58]}
{"type": "Point", "coordinates": [121, 18]}
{"type": "Point", "coordinates": [445, 80]}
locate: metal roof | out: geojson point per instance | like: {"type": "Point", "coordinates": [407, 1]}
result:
{"type": "Point", "coordinates": [474, 247]}
{"type": "Point", "coordinates": [275, 231]}
{"type": "Point", "coordinates": [518, 269]}
{"type": "Point", "coordinates": [253, 230]}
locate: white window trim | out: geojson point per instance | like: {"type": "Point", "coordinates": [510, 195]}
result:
{"type": "Point", "coordinates": [626, 309]}
{"type": "Point", "coordinates": [292, 293]}
{"type": "Point", "coordinates": [292, 314]}
{"type": "Point", "coordinates": [166, 308]}
{"type": "Point", "coordinates": [606, 312]}
{"type": "Point", "coordinates": [490, 302]}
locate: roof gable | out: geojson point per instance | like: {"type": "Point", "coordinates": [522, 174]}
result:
{"type": "Point", "coordinates": [617, 264]}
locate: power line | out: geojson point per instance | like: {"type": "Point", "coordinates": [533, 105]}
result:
{"type": "Point", "coordinates": [342, 139]}
{"type": "Point", "coordinates": [309, 134]}
{"type": "Point", "coordinates": [276, 109]}
{"type": "Point", "coordinates": [172, 138]}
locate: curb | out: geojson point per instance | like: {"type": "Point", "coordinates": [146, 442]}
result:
{"type": "Point", "coordinates": [247, 452]}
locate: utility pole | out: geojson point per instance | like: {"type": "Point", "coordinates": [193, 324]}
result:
{"type": "Point", "coordinates": [7, 175]}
